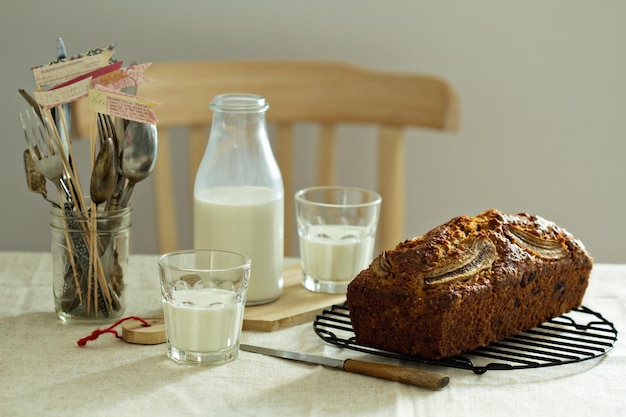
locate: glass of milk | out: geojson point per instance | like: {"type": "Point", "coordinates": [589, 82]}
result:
{"type": "Point", "coordinates": [204, 294]}
{"type": "Point", "coordinates": [337, 231]}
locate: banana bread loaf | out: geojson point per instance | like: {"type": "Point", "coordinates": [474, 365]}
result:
{"type": "Point", "coordinates": [467, 283]}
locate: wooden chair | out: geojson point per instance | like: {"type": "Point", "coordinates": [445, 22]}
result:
{"type": "Point", "coordinates": [327, 93]}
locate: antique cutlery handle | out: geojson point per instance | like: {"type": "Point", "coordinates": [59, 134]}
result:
{"type": "Point", "coordinates": [402, 374]}
{"type": "Point", "coordinates": [82, 252]}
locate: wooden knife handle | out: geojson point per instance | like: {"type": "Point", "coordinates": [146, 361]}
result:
{"type": "Point", "coordinates": [402, 374]}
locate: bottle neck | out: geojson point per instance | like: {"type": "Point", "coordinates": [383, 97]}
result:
{"type": "Point", "coordinates": [240, 119]}
{"type": "Point", "coordinates": [238, 152]}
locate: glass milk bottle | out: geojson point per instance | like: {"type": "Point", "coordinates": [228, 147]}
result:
{"type": "Point", "coordinates": [238, 193]}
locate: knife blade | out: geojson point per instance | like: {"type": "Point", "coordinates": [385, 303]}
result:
{"type": "Point", "coordinates": [61, 53]}
{"type": "Point", "coordinates": [402, 374]}
{"type": "Point", "coordinates": [65, 112]}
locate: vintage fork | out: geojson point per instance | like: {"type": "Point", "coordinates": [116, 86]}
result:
{"type": "Point", "coordinates": [45, 153]}
{"type": "Point", "coordinates": [106, 129]}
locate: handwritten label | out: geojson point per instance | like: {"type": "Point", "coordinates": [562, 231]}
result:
{"type": "Point", "coordinates": [69, 93]}
{"type": "Point", "coordinates": [117, 104]}
{"type": "Point", "coordinates": [128, 77]}
{"type": "Point", "coordinates": [65, 70]}
{"type": "Point", "coordinates": [111, 78]}
{"type": "Point", "coordinates": [130, 110]}
{"type": "Point", "coordinates": [73, 89]}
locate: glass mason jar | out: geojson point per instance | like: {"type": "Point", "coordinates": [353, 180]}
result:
{"type": "Point", "coordinates": [238, 193]}
{"type": "Point", "coordinates": [89, 258]}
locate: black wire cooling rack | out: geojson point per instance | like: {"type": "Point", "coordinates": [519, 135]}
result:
{"type": "Point", "coordinates": [579, 335]}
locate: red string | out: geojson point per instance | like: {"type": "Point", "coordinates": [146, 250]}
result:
{"type": "Point", "coordinates": [111, 329]}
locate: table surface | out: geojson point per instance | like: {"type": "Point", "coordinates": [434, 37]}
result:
{"type": "Point", "coordinates": [44, 372]}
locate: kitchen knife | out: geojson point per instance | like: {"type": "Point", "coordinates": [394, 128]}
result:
{"type": "Point", "coordinates": [402, 374]}
{"type": "Point", "coordinates": [62, 54]}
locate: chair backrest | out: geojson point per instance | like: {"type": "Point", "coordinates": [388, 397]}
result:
{"type": "Point", "coordinates": [327, 93]}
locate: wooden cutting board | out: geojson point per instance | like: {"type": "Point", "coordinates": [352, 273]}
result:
{"type": "Point", "coordinates": [295, 306]}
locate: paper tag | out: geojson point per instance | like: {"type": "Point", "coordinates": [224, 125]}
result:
{"type": "Point", "coordinates": [92, 75]}
{"type": "Point", "coordinates": [61, 71]}
{"type": "Point", "coordinates": [118, 104]}
{"type": "Point", "coordinates": [73, 89]}
{"type": "Point", "coordinates": [126, 77]}
{"type": "Point", "coordinates": [52, 98]}
{"type": "Point", "coordinates": [136, 71]}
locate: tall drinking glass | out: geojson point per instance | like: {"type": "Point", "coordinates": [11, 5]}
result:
{"type": "Point", "coordinates": [337, 231]}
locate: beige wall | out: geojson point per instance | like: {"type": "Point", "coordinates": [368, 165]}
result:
{"type": "Point", "coordinates": [542, 87]}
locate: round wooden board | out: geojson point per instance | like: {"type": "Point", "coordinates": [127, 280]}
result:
{"type": "Point", "coordinates": [135, 332]}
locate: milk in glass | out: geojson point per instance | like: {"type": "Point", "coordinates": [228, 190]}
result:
{"type": "Point", "coordinates": [336, 252]}
{"type": "Point", "coordinates": [206, 320]}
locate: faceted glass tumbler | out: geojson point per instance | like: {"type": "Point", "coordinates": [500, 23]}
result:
{"type": "Point", "coordinates": [204, 295]}
{"type": "Point", "coordinates": [337, 230]}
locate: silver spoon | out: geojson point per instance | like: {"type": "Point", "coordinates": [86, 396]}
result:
{"type": "Point", "coordinates": [139, 153]}
{"type": "Point", "coordinates": [104, 173]}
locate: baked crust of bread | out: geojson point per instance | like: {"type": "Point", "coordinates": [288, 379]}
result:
{"type": "Point", "coordinates": [467, 283]}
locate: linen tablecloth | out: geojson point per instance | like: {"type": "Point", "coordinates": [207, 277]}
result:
{"type": "Point", "coordinates": [44, 372]}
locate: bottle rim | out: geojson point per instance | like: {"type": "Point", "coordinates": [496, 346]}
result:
{"type": "Point", "coordinates": [239, 102]}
